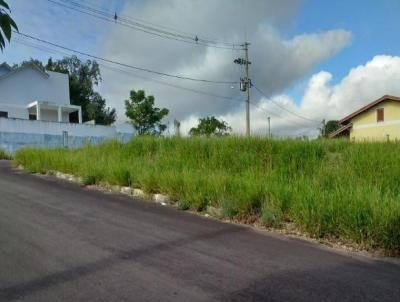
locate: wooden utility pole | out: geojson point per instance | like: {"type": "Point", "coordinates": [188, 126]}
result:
{"type": "Point", "coordinates": [269, 127]}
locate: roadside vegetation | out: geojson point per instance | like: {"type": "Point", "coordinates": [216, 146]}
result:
{"type": "Point", "coordinates": [4, 155]}
{"type": "Point", "coordinates": [329, 189]}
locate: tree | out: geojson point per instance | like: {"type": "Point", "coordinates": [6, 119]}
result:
{"type": "Point", "coordinates": [83, 77]}
{"type": "Point", "coordinates": [211, 126]}
{"type": "Point", "coordinates": [98, 111]}
{"type": "Point", "coordinates": [145, 118]}
{"type": "Point", "coordinates": [6, 24]}
{"type": "Point", "coordinates": [330, 127]}
{"type": "Point", "coordinates": [38, 63]}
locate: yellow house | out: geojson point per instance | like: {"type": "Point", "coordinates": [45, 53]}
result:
{"type": "Point", "coordinates": [377, 121]}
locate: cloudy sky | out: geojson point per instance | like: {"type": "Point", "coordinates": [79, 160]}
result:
{"type": "Point", "coordinates": [311, 59]}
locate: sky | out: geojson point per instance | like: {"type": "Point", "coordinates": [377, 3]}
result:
{"type": "Point", "coordinates": [311, 59]}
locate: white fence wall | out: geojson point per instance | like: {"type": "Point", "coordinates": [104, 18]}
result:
{"type": "Point", "coordinates": [18, 133]}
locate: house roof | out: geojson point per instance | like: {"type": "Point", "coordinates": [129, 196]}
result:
{"type": "Point", "coordinates": [341, 130]}
{"type": "Point", "coordinates": [348, 118]}
{"type": "Point", "coordinates": [27, 65]}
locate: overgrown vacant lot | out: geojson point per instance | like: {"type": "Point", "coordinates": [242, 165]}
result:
{"type": "Point", "coordinates": [330, 189]}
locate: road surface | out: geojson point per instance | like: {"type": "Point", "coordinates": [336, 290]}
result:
{"type": "Point", "coordinates": [61, 242]}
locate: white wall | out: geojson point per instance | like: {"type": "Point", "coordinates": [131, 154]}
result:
{"type": "Point", "coordinates": [16, 111]}
{"type": "Point", "coordinates": [28, 85]}
{"type": "Point", "coordinates": [54, 128]}
{"type": "Point", "coordinates": [52, 115]}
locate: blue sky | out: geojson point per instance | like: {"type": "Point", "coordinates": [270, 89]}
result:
{"type": "Point", "coordinates": [293, 43]}
{"type": "Point", "coordinates": [374, 24]}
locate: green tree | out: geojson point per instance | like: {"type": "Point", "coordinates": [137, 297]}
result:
{"type": "Point", "coordinates": [98, 111]}
{"type": "Point", "coordinates": [83, 77]}
{"type": "Point", "coordinates": [330, 127]}
{"type": "Point", "coordinates": [30, 61]}
{"type": "Point", "coordinates": [211, 126]}
{"type": "Point", "coordinates": [145, 118]}
{"type": "Point", "coordinates": [6, 24]}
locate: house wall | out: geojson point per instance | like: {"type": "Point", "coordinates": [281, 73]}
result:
{"type": "Point", "coordinates": [366, 127]}
{"type": "Point", "coordinates": [52, 115]}
{"type": "Point", "coordinates": [19, 88]}
{"type": "Point", "coordinates": [14, 111]}
{"type": "Point", "coordinates": [16, 133]}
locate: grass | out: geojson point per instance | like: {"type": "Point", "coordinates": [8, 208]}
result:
{"type": "Point", "coordinates": [332, 189]}
{"type": "Point", "coordinates": [4, 155]}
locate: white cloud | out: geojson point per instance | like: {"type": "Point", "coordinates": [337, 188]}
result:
{"type": "Point", "coordinates": [362, 85]}
{"type": "Point", "coordinates": [277, 62]}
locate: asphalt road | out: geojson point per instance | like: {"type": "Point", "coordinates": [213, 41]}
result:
{"type": "Point", "coordinates": [61, 242]}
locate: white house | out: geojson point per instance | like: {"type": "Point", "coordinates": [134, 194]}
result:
{"type": "Point", "coordinates": [35, 111]}
{"type": "Point", "coordinates": [28, 92]}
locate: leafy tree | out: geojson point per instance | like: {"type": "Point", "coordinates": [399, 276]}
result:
{"type": "Point", "coordinates": [211, 126]}
{"type": "Point", "coordinates": [83, 77]}
{"type": "Point", "coordinates": [99, 112]}
{"type": "Point", "coordinates": [30, 61]}
{"type": "Point", "coordinates": [330, 127]}
{"type": "Point", "coordinates": [145, 118]}
{"type": "Point", "coordinates": [6, 24]}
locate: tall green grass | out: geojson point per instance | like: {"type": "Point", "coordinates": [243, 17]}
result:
{"type": "Point", "coordinates": [328, 188]}
{"type": "Point", "coordinates": [4, 155]}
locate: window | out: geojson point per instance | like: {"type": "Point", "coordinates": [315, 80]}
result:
{"type": "Point", "coordinates": [380, 115]}
{"type": "Point", "coordinates": [4, 114]}
{"type": "Point", "coordinates": [32, 117]}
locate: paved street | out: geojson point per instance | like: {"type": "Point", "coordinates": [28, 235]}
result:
{"type": "Point", "coordinates": [61, 242]}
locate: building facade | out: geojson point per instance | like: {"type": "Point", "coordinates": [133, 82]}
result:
{"type": "Point", "coordinates": [30, 93]}
{"type": "Point", "coordinates": [377, 121]}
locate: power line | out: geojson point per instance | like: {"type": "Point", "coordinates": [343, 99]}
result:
{"type": "Point", "coordinates": [156, 27]}
{"type": "Point", "coordinates": [190, 35]}
{"type": "Point", "coordinates": [53, 51]}
{"type": "Point", "coordinates": [284, 108]}
{"type": "Point", "coordinates": [123, 64]}
{"type": "Point", "coordinates": [217, 96]}
{"type": "Point", "coordinates": [142, 27]}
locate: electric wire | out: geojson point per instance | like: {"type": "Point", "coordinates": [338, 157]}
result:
{"type": "Point", "coordinates": [53, 51]}
{"type": "Point", "coordinates": [123, 64]}
{"type": "Point", "coordinates": [156, 27]}
{"type": "Point", "coordinates": [284, 108]}
{"type": "Point", "coordinates": [217, 96]}
{"type": "Point", "coordinates": [142, 27]}
{"type": "Point", "coordinates": [228, 98]}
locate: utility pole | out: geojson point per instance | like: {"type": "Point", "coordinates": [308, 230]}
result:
{"type": "Point", "coordinates": [248, 84]}
{"type": "Point", "coordinates": [177, 126]}
{"type": "Point", "coordinates": [245, 83]}
{"type": "Point", "coordinates": [269, 127]}
{"type": "Point", "coordinates": [323, 128]}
